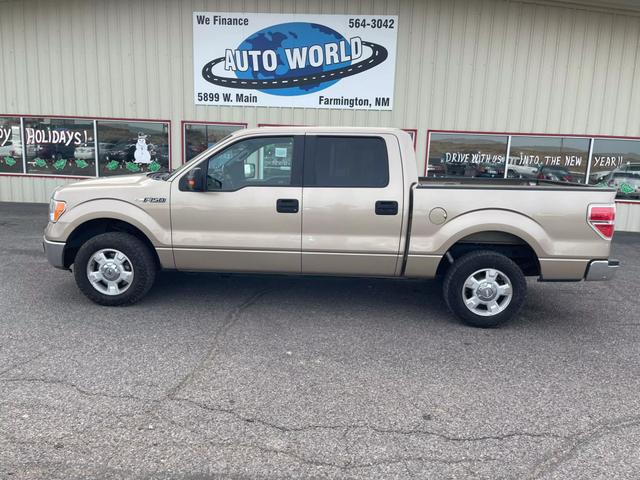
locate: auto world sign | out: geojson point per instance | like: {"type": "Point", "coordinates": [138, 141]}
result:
{"type": "Point", "coordinates": [311, 61]}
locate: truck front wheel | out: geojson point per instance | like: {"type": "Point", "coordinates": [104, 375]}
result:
{"type": "Point", "coordinates": [114, 268]}
{"type": "Point", "coordinates": [484, 288]}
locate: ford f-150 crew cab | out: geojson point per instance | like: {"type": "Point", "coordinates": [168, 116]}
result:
{"type": "Point", "coordinates": [330, 201]}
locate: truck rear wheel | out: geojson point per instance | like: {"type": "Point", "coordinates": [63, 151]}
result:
{"type": "Point", "coordinates": [484, 288]}
{"type": "Point", "coordinates": [114, 268]}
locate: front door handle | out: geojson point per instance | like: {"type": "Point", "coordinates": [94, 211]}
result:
{"type": "Point", "coordinates": [287, 205]}
{"type": "Point", "coordinates": [386, 207]}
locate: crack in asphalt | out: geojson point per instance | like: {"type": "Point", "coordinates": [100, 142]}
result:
{"type": "Point", "coordinates": [229, 320]}
{"type": "Point", "coordinates": [291, 429]}
{"type": "Point", "coordinates": [76, 387]}
{"type": "Point", "coordinates": [575, 442]}
{"type": "Point", "coordinates": [346, 465]}
{"type": "Point", "coordinates": [22, 363]}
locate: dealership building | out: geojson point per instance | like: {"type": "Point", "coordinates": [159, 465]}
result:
{"type": "Point", "coordinates": [486, 88]}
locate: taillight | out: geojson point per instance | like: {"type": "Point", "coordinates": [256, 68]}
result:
{"type": "Point", "coordinates": [602, 219]}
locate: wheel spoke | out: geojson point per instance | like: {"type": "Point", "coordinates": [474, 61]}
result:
{"type": "Point", "coordinates": [493, 307]}
{"type": "Point", "coordinates": [95, 277]}
{"type": "Point", "coordinates": [100, 258]}
{"type": "Point", "coordinates": [492, 274]}
{"type": "Point", "coordinates": [126, 276]}
{"type": "Point", "coordinates": [112, 288]}
{"type": "Point", "coordinates": [504, 289]}
{"type": "Point", "coordinates": [120, 258]}
{"type": "Point", "coordinates": [472, 283]}
{"type": "Point", "coordinates": [472, 302]}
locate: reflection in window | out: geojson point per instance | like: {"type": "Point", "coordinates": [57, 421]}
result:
{"type": "Point", "coordinates": [10, 145]}
{"type": "Point", "coordinates": [561, 159]}
{"type": "Point", "coordinates": [262, 161]}
{"type": "Point", "coordinates": [616, 163]}
{"type": "Point", "coordinates": [60, 146]}
{"type": "Point", "coordinates": [199, 137]}
{"type": "Point", "coordinates": [132, 147]}
{"type": "Point", "coordinates": [466, 155]}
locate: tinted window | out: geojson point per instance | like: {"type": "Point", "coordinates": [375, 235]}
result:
{"type": "Point", "coordinates": [466, 155]}
{"type": "Point", "coordinates": [263, 161]}
{"type": "Point", "coordinates": [346, 162]}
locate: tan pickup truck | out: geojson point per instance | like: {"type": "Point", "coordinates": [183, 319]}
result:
{"type": "Point", "coordinates": [330, 201]}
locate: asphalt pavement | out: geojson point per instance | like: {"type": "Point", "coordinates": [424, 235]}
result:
{"type": "Point", "coordinates": [266, 377]}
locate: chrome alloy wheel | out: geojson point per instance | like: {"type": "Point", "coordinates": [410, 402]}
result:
{"type": "Point", "coordinates": [487, 292]}
{"type": "Point", "coordinates": [110, 271]}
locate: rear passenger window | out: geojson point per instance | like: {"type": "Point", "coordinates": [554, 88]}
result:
{"type": "Point", "coordinates": [346, 162]}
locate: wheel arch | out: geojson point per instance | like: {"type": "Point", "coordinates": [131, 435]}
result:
{"type": "Point", "coordinates": [97, 226]}
{"type": "Point", "coordinates": [506, 243]}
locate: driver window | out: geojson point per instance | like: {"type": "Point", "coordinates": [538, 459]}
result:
{"type": "Point", "coordinates": [263, 161]}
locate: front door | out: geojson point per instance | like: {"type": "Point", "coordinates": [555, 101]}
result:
{"type": "Point", "coordinates": [352, 205]}
{"type": "Point", "coordinates": [249, 218]}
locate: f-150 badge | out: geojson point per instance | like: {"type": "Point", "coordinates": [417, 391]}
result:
{"type": "Point", "coordinates": [152, 200]}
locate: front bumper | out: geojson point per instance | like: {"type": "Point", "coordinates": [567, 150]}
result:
{"type": "Point", "coordinates": [602, 270]}
{"type": "Point", "coordinates": [54, 252]}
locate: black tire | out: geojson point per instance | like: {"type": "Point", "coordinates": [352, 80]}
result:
{"type": "Point", "coordinates": [463, 268]}
{"type": "Point", "coordinates": [140, 257]}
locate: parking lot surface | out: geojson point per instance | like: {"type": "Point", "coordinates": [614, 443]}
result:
{"type": "Point", "coordinates": [239, 376]}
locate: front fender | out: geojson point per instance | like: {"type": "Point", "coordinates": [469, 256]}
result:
{"type": "Point", "coordinates": [152, 219]}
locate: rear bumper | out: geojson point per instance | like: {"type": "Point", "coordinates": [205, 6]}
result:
{"type": "Point", "coordinates": [601, 270]}
{"type": "Point", "coordinates": [54, 252]}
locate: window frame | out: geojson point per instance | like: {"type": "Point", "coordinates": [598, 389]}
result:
{"type": "Point", "coordinates": [296, 164]}
{"type": "Point", "coordinates": [309, 159]}
{"type": "Point", "coordinates": [105, 123]}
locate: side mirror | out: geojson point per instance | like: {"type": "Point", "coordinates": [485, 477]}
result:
{"type": "Point", "coordinates": [249, 170]}
{"type": "Point", "coordinates": [193, 181]}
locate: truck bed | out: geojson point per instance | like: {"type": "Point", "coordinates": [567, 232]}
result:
{"type": "Point", "coordinates": [504, 183]}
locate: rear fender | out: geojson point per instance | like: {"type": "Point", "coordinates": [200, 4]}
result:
{"type": "Point", "coordinates": [442, 238]}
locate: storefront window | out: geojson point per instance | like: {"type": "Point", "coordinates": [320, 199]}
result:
{"type": "Point", "coordinates": [200, 136]}
{"type": "Point", "coordinates": [10, 145]}
{"type": "Point", "coordinates": [126, 147]}
{"type": "Point", "coordinates": [616, 163]}
{"type": "Point", "coordinates": [466, 155]}
{"type": "Point", "coordinates": [60, 146]}
{"type": "Point", "coordinates": [562, 159]}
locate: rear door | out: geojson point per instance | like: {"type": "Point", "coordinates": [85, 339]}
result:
{"type": "Point", "coordinates": [352, 205]}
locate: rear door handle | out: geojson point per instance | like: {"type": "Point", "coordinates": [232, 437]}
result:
{"type": "Point", "coordinates": [386, 207]}
{"type": "Point", "coordinates": [287, 205]}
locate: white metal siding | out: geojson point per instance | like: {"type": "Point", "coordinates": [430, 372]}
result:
{"type": "Point", "coordinates": [491, 65]}
{"type": "Point", "coordinates": [628, 217]}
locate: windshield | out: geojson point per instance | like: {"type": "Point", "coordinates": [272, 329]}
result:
{"type": "Point", "coordinates": [196, 159]}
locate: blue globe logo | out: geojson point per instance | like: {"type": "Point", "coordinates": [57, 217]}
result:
{"type": "Point", "coordinates": [292, 35]}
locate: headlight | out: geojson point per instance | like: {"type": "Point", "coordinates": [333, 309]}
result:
{"type": "Point", "coordinates": [56, 209]}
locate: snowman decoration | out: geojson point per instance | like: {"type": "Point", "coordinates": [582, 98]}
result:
{"type": "Point", "coordinates": [142, 154]}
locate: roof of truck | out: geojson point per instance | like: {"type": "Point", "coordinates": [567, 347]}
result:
{"type": "Point", "coordinates": [327, 129]}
